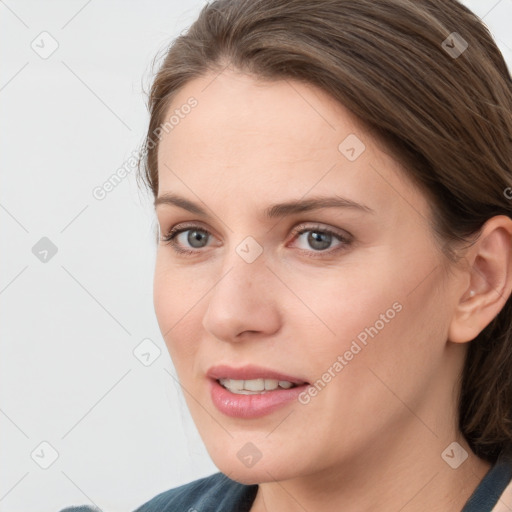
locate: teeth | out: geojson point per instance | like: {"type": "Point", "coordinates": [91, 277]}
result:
{"type": "Point", "coordinates": [252, 386]}
{"type": "Point", "coordinates": [271, 384]}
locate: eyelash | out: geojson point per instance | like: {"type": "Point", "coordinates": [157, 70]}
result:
{"type": "Point", "coordinates": [169, 239]}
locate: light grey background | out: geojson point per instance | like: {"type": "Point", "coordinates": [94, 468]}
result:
{"type": "Point", "coordinates": [69, 325]}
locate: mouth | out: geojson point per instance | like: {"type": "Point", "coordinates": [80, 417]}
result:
{"type": "Point", "coordinates": [252, 391]}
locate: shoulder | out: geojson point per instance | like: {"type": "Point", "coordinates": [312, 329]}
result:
{"type": "Point", "coordinates": [213, 493]}
{"type": "Point", "coordinates": [505, 500]}
{"type": "Point", "coordinates": [493, 492]}
{"type": "Point", "coordinates": [82, 508]}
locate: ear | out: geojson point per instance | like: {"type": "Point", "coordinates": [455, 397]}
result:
{"type": "Point", "coordinates": [489, 272]}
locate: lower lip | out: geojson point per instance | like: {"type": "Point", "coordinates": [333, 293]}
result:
{"type": "Point", "coordinates": [254, 405]}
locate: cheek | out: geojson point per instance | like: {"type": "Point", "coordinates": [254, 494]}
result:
{"type": "Point", "coordinates": [177, 303]}
{"type": "Point", "coordinates": [175, 292]}
{"type": "Point", "coordinates": [375, 363]}
{"type": "Point", "coordinates": [384, 314]}
{"type": "Point", "coordinates": [392, 348]}
{"type": "Point", "coordinates": [334, 306]}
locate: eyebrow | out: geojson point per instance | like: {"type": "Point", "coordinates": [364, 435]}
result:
{"type": "Point", "coordinates": [273, 211]}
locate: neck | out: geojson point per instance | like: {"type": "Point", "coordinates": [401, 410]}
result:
{"type": "Point", "coordinates": [402, 473]}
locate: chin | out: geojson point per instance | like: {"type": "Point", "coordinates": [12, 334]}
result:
{"type": "Point", "coordinates": [260, 472]}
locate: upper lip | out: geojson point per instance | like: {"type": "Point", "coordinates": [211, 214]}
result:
{"type": "Point", "coordinates": [249, 372]}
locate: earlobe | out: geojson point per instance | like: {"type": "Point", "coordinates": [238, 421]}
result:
{"type": "Point", "coordinates": [489, 269]}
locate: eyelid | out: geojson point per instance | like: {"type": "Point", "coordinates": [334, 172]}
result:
{"type": "Point", "coordinates": [183, 226]}
{"type": "Point", "coordinates": [312, 226]}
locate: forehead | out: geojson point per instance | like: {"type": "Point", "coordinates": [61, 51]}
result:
{"type": "Point", "coordinates": [237, 113]}
{"type": "Point", "coordinates": [280, 138]}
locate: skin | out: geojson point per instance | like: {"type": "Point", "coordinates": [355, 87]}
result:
{"type": "Point", "coordinates": [372, 439]}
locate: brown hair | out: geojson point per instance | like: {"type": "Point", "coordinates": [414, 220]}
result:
{"type": "Point", "coordinates": [445, 117]}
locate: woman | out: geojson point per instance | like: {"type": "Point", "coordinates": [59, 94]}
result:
{"type": "Point", "coordinates": [333, 273]}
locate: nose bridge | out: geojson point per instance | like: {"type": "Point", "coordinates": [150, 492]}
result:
{"type": "Point", "coordinates": [242, 299]}
{"type": "Point", "coordinates": [241, 286]}
{"type": "Point", "coordinates": [243, 268]}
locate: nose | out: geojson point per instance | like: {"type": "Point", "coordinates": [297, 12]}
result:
{"type": "Point", "coordinates": [243, 302]}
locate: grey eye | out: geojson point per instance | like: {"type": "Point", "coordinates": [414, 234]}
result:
{"type": "Point", "coordinates": [319, 240]}
{"type": "Point", "coordinates": [196, 238]}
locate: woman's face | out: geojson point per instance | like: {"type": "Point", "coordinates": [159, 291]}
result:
{"type": "Point", "coordinates": [349, 297]}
